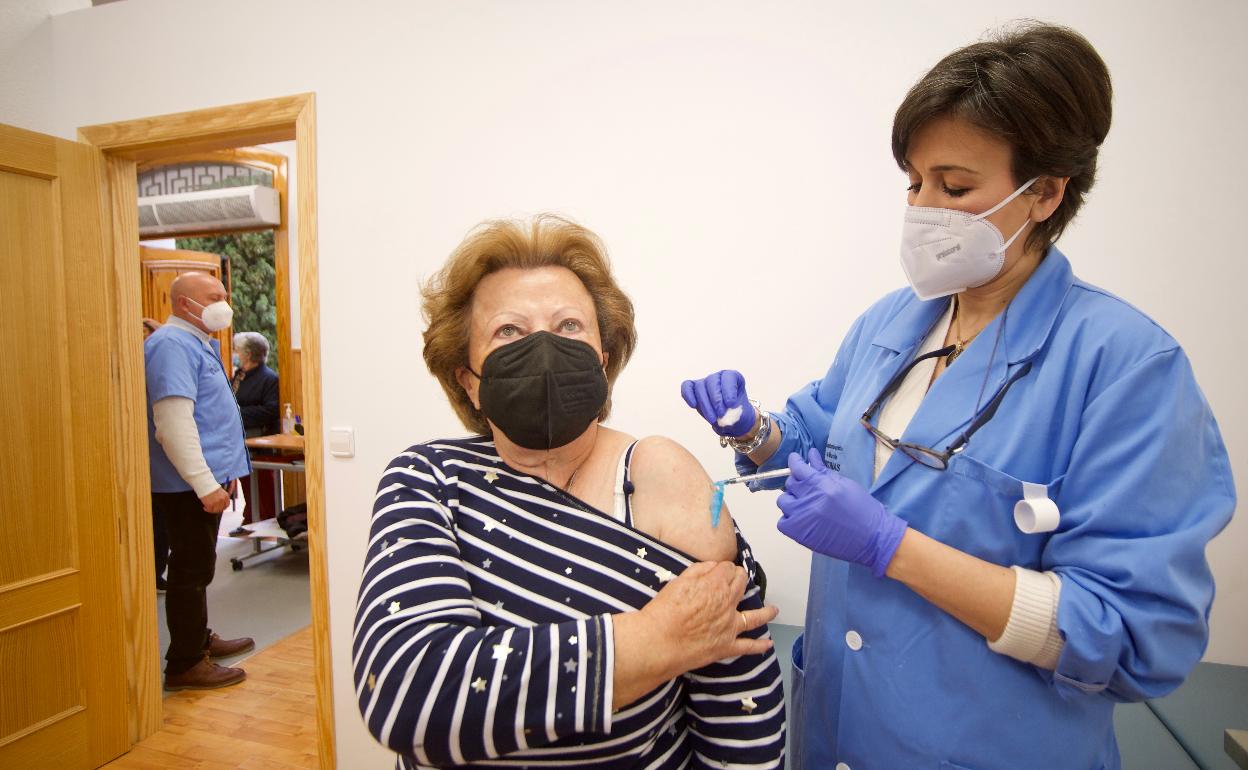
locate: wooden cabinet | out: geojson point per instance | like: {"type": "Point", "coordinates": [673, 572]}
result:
{"type": "Point", "coordinates": [160, 266]}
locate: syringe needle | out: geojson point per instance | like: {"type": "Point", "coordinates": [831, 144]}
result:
{"type": "Point", "coordinates": [755, 477]}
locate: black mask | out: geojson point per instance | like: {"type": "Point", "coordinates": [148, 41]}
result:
{"type": "Point", "coordinates": [543, 391]}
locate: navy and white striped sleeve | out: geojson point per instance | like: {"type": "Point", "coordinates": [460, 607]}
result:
{"type": "Point", "coordinates": [735, 707]}
{"type": "Point", "coordinates": [432, 681]}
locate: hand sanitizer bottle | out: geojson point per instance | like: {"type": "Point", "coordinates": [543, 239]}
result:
{"type": "Point", "coordinates": [288, 422]}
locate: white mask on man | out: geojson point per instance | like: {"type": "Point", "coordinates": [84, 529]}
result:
{"type": "Point", "coordinates": [215, 316]}
{"type": "Point", "coordinates": [945, 251]}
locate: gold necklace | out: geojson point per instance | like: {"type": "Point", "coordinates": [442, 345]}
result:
{"type": "Point", "coordinates": [567, 485]}
{"type": "Point", "coordinates": [959, 344]}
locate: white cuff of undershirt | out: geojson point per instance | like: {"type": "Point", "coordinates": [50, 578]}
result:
{"type": "Point", "coordinates": [1031, 633]}
{"type": "Point", "coordinates": [174, 418]}
{"type": "Point", "coordinates": [608, 647]}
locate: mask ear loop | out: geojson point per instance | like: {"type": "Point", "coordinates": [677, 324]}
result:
{"type": "Point", "coordinates": [201, 308]}
{"type": "Point", "coordinates": [1014, 237]}
{"type": "Point", "coordinates": [1008, 198]}
{"type": "Point", "coordinates": [1002, 204]}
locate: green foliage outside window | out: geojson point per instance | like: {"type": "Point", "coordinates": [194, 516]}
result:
{"type": "Point", "coordinates": [253, 281]}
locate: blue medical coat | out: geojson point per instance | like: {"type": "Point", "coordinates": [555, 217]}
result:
{"type": "Point", "coordinates": [1111, 419]}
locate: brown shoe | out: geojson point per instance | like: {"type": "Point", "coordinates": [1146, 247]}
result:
{"type": "Point", "coordinates": [204, 675]}
{"type": "Point", "coordinates": [227, 648]}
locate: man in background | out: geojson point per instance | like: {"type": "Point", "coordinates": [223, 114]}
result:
{"type": "Point", "coordinates": [197, 456]}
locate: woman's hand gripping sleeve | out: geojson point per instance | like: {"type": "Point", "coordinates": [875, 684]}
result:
{"type": "Point", "coordinates": [735, 707]}
{"type": "Point", "coordinates": [432, 681]}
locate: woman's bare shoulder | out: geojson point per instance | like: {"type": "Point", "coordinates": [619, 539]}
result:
{"type": "Point", "coordinates": [672, 498]}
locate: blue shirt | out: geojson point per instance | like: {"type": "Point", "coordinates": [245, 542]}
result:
{"type": "Point", "coordinates": [1110, 417]}
{"type": "Point", "coordinates": [179, 363]}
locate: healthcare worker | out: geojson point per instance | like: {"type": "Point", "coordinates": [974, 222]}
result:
{"type": "Point", "coordinates": [1008, 476]}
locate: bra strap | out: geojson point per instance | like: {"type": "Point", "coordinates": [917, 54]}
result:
{"type": "Point", "coordinates": [623, 510]}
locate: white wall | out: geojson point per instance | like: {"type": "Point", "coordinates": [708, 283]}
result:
{"type": "Point", "coordinates": [700, 140]}
{"type": "Point", "coordinates": [25, 63]}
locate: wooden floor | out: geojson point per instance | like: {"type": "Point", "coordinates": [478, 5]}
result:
{"type": "Point", "coordinates": [266, 723]}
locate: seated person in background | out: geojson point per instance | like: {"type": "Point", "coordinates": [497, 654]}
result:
{"type": "Point", "coordinates": [255, 389]}
{"type": "Point", "coordinates": [551, 592]}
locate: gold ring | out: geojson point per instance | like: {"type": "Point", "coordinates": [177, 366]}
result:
{"type": "Point", "coordinates": [745, 623]}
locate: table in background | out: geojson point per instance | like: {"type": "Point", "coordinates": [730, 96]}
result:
{"type": "Point", "coordinates": [289, 447]}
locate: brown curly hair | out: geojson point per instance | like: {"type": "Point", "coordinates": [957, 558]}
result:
{"type": "Point", "coordinates": [546, 241]}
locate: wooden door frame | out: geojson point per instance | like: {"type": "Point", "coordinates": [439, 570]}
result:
{"type": "Point", "coordinates": [124, 145]}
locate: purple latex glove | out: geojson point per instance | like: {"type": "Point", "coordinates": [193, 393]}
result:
{"type": "Point", "coordinates": [836, 516]}
{"type": "Point", "coordinates": [720, 399]}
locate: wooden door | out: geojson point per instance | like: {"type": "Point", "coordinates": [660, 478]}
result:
{"type": "Point", "coordinates": [160, 266]}
{"type": "Point", "coordinates": [62, 666]}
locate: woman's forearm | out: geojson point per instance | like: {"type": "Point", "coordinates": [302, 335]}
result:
{"type": "Point", "coordinates": [643, 659]}
{"type": "Point", "coordinates": [694, 620]}
{"type": "Point", "coordinates": [976, 592]}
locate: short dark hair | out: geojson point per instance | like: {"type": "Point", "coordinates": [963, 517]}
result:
{"type": "Point", "coordinates": [1041, 88]}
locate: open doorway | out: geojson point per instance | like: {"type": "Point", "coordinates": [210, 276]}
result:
{"type": "Point", "coordinates": [156, 140]}
{"type": "Point", "coordinates": [228, 213]}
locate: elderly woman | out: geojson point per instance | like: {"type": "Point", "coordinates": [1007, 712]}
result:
{"type": "Point", "coordinates": [551, 592]}
{"type": "Point", "coordinates": [256, 390]}
{"type": "Point", "coordinates": [255, 384]}
{"type": "Point", "coordinates": [1008, 476]}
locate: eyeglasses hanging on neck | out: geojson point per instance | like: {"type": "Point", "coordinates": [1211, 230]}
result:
{"type": "Point", "coordinates": [933, 458]}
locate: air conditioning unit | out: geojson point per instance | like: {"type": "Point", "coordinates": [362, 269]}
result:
{"type": "Point", "coordinates": [227, 208]}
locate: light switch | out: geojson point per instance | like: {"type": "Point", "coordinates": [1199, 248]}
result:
{"type": "Point", "coordinates": [342, 442]}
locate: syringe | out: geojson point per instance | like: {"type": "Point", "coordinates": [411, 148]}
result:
{"type": "Point", "coordinates": [754, 477]}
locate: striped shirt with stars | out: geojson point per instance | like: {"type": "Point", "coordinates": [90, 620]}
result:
{"type": "Point", "coordinates": [483, 633]}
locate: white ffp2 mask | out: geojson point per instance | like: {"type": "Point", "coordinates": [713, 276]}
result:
{"type": "Point", "coordinates": [945, 251]}
{"type": "Point", "coordinates": [215, 316]}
